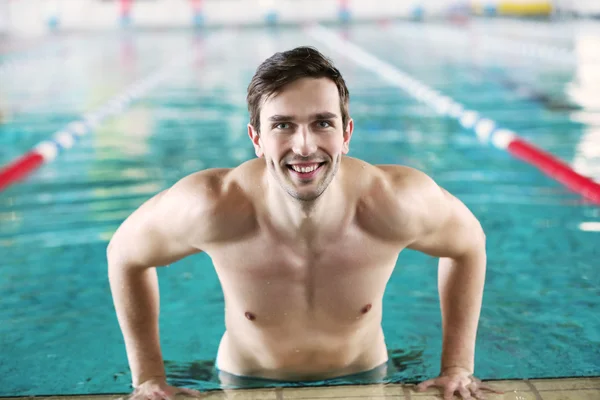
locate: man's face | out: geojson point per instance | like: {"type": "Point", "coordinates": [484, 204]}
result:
{"type": "Point", "coordinates": [302, 138]}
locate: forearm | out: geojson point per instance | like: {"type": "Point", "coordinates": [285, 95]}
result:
{"type": "Point", "coordinates": [460, 284]}
{"type": "Point", "coordinates": [136, 299]}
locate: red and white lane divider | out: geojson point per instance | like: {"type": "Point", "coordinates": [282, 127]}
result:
{"type": "Point", "coordinates": [486, 129]}
{"type": "Point", "coordinates": [64, 139]}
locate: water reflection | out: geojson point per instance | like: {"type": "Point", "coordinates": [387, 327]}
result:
{"type": "Point", "coordinates": [202, 373]}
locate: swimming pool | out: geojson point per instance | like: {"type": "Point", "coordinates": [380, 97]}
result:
{"type": "Point", "coordinates": [58, 330]}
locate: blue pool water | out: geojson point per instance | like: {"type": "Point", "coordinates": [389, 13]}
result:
{"type": "Point", "coordinates": [58, 330]}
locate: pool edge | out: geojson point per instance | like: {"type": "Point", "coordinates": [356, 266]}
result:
{"type": "Point", "coordinates": [585, 388]}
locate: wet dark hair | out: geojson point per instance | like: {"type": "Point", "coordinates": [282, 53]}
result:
{"type": "Point", "coordinates": [286, 67]}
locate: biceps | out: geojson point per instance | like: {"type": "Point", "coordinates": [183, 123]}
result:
{"type": "Point", "coordinates": [450, 230]}
{"type": "Point", "coordinates": [150, 236]}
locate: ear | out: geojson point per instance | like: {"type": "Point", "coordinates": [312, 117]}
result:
{"type": "Point", "coordinates": [348, 136]}
{"type": "Point", "coordinates": [256, 142]}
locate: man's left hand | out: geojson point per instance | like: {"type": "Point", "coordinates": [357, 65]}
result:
{"type": "Point", "coordinates": [457, 380]}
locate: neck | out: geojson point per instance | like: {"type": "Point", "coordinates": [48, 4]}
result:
{"type": "Point", "coordinates": [304, 216]}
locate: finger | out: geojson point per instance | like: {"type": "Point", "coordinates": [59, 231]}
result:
{"type": "Point", "coordinates": [473, 387]}
{"type": "Point", "coordinates": [425, 385]}
{"type": "Point", "coordinates": [160, 395]}
{"type": "Point", "coordinates": [465, 393]}
{"type": "Point", "coordinates": [479, 395]}
{"type": "Point", "coordinates": [191, 392]}
{"type": "Point", "coordinates": [449, 392]}
{"type": "Point", "coordinates": [491, 389]}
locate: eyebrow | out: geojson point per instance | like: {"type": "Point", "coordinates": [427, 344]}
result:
{"type": "Point", "coordinates": [321, 115]}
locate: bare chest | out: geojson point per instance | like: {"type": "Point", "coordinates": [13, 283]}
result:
{"type": "Point", "coordinates": [338, 280]}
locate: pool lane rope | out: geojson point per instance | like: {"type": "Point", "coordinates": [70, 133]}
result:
{"type": "Point", "coordinates": [64, 139]}
{"type": "Point", "coordinates": [487, 130]}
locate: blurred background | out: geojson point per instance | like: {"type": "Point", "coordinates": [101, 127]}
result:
{"type": "Point", "coordinates": [38, 16]}
{"type": "Point", "coordinates": [34, 17]}
{"type": "Point", "coordinates": [105, 103]}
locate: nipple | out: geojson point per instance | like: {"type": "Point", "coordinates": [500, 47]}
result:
{"type": "Point", "coordinates": [250, 316]}
{"type": "Point", "coordinates": [366, 308]}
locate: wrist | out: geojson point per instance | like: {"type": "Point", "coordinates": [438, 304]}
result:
{"type": "Point", "coordinates": [454, 369]}
{"type": "Point", "coordinates": [143, 379]}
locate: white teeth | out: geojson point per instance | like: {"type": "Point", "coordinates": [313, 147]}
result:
{"type": "Point", "coordinates": [304, 170]}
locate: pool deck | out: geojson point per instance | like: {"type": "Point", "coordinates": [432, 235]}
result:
{"type": "Point", "coordinates": [535, 389]}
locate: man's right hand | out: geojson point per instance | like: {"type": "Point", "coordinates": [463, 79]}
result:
{"type": "Point", "coordinates": [158, 389]}
{"type": "Point", "coordinates": [174, 224]}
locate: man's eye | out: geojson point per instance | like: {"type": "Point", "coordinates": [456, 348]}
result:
{"type": "Point", "coordinates": [283, 125]}
{"type": "Point", "coordinates": [324, 124]}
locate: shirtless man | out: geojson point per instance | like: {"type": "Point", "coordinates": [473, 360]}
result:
{"type": "Point", "coordinates": [303, 240]}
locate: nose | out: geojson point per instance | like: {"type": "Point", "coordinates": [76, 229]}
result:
{"type": "Point", "coordinates": [304, 143]}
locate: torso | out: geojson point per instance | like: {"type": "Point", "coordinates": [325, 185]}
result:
{"type": "Point", "coordinates": [301, 309]}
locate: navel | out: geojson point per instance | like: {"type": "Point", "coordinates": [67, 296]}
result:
{"type": "Point", "coordinates": [250, 316]}
{"type": "Point", "coordinates": [366, 308]}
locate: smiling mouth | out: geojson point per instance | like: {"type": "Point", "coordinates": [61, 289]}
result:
{"type": "Point", "coordinates": [305, 171]}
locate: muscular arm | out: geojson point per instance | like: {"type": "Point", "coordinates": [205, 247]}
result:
{"type": "Point", "coordinates": [172, 225]}
{"type": "Point", "coordinates": [445, 228]}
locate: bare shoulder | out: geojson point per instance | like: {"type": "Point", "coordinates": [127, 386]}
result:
{"type": "Point", "coordinates": [201, 188]}
{"type": "Point", "coordinates": [411, 185]}
{"type": "Point", "coordinates": [424, 215]}
{"type": "Point", "coordinates": [390, 176]}
{"type": "Point", "coordinates": [217, 200]}
{"type": "Point", "coordinates": [212, 189]}
{"type": "Point", "coordinates": [195, 214]}
{"type": "Point", "coordinates": [395, 199]}
{"type": "Point", "coordinates": [417, 195]}
{"type": "Point", "coordinates": [197, 194]}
